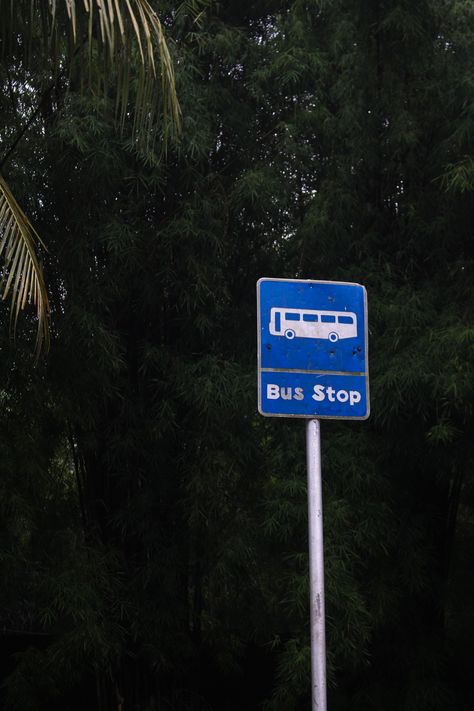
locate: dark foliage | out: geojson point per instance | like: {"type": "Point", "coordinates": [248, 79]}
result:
{"type": "Point", "coordinates": [152, 524]}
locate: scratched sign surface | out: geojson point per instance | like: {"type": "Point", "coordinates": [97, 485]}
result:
{"type": "Point", "coordinates": [312, 349]}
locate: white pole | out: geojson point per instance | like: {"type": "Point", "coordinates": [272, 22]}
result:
{"type": "Point", "coordinates": [316, 567]}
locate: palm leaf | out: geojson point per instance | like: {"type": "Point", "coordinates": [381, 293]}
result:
{"type": "Point", "coordinates": [121, 25]}
{"type": "Point", "coordinates": [107, 36]}
{"type": "Point", "coordinates": [116, 30]}
{"type": "Point", "coordinates": [22, 274]}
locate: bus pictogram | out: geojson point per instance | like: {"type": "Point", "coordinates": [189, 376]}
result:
{"type": "Point", "coordinates": [309, 323]}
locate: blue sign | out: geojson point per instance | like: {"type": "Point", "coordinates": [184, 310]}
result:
{"type": "Point", "coordinates": [312, 349]}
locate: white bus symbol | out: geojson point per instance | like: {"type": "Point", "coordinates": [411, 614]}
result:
{"type": "Point", "coordinates": [306, 323]}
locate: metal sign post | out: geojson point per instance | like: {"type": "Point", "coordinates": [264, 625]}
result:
{"type": "Point", "coordinates": [316, 567]}
{"type": "Point", "coordinates": [313, 363]}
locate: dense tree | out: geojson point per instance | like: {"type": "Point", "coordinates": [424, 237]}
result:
{"type": "Point", "coordinates": [153, 525]}
{"type": "Point", "coordinates": [45, 47]}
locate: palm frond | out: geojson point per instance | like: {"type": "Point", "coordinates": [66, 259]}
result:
{"type": "Point", "coordinates": [22, 275]}
{"type": "Point", "coordinates": [108, 38]}
{"type": "Point", "coordinates": [114, 31]}
{"type": "Point", "coordinates": [116, 27]}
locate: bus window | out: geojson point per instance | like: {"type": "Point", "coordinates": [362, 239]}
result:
{"type": "Point", "coordinates": [292, 317]}
{"type": "Point", "coordinates": [328, 319]}
{"type": "Point", "coordinates": [345, 319]}
{"type": "Point", "coordinates": [310, 317]}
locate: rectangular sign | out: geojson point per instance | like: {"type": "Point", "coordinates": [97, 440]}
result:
{"type": "Point", "coordinates": [312, 349]}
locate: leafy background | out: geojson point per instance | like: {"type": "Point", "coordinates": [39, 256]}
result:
{"type": "Point", "coordinates": [153, 526]}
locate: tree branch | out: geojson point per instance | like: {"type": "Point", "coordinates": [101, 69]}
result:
{"type": "Point", "coordinates": [26, 126]}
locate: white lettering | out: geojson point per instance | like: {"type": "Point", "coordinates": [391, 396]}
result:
{"type": "Point", "coordinates": [273, 392]}
{"type": "Point", "coordinates": [354, 397]}
{"type": "Point", "coordinates": [321, 392]}
{"type": "Point", "coordinates": [319, 395]}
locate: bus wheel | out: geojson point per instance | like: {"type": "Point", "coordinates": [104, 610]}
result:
{"type": "Point", "coordinates": [290, 334]}
{"type": "Point", "coordinates": [333, 337]}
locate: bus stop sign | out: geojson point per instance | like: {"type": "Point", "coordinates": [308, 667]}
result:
{"type": "Point", "coordinates": [312, 349]}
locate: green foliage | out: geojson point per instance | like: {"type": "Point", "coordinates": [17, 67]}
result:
{"type": "Point", "coordinates": [154, 526]}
